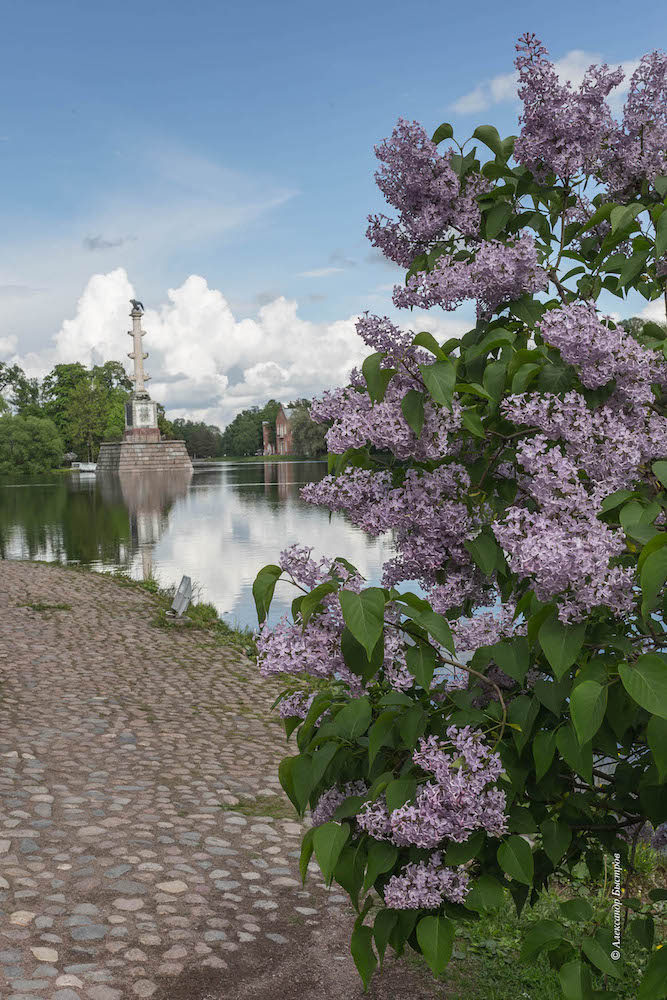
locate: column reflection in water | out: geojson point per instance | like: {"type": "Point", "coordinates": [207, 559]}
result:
{"type": "Point", "coordinates": [148, 498]}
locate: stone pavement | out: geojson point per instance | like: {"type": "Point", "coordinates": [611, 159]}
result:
{"type": "Point", "coordinates": [120, 874]}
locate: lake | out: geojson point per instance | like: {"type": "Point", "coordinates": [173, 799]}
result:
{"type": "Point", "coordinates": [218, 526]}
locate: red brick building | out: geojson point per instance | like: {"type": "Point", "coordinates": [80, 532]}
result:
{"type": "Point", "coordinates": [283, 445]}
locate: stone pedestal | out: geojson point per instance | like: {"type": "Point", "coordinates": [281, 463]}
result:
{"type": "Point", "coordinates": [143, 456]}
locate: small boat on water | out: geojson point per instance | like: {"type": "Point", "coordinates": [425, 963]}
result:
{"type": "Point", "coordinates": [88, 467]}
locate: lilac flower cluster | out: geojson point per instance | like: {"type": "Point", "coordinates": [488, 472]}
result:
{"type": "Point", "coordinates": [425, 885]}
{"type": "Point", "coordinates": [296, 705]}
{"type": "Point", "coordinates": [486, 628]}
{"type": "Point", "coordinates": [638, 147]}
{"type": "Point", "coordinates": [358, 421]}
{"type": "Point", "coordinates": [573, 133]}
{"type": "Point", "coordinates": [562, 546]}
{"type": "Point", "coordinates": [563, 130]}
{"type": "Point", "coordinates": [602, 354]}
{"type": "Point", "coordinates": [497, 273]}
{"type": "Point", "coordinates": [609, 444]}
{"type": "Point", "coordinates": [452, 806]}
{"type": "Point", "coordinates": [329, 801]}
{"type": "Point", "coordinates": [429, 520]}
{"type": "Point", "coordinates": [421, 184]}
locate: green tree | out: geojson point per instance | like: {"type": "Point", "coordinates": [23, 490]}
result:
{"type": "Point", "coordinates": [308, 438]}
{"type": "Point", "coordinates": [28, 445]}
{"type": "Point", "coordinates": [86, 416]}
{"type": "Point", "coordinates": [22, 393]}
{"type": "Point", "coordinates": [57, 390]}
{"type": "Point", "coordinates": [243, 436]}
{"type": "Point", "coordinates": [201, 440]}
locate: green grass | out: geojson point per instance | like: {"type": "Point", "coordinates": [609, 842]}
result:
{"type": "Point", "coordinates": [40, 606]}
{"type": "Point", "coordinates": [485, 964]}
{"type": "Point", "coordinates": [266, 805]}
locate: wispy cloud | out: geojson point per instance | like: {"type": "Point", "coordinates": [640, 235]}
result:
{"type": "Point", "coordinates": [502, 89]}
{"type": "Point", "coordinates": [101, 243]}
{"type": "Point", "coordinates": [338, 262]}
{"type": "Point", "coordinates": [320, 272]}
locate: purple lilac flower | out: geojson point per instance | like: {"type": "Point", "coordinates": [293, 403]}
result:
{"type": "Point", "coordinates": [497, 273]}
{"type": "Point", "coordinates": [425, 885]}
{"type": "Point", "coordinates": [431, 200]}
{"type": "Point", "coordinates": [296, 705]}
{"type": "Point", "coordinates": [452, 806]}
{"type": "Point", "coordinates": [562, 130]}
{"type": "Point", "coordinates": [602, 354]}
{"type": "Point", "coordinates": [329, 801]}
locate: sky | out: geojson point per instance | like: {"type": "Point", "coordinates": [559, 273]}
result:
{"type": "Point", "coordinates": [216, 161]}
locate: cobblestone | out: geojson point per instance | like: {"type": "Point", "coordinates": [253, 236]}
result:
{"type": "Point", "coordinates": [120, 742]}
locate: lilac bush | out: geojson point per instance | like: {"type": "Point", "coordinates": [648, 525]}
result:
{"type": "Point", "coordinates": [508, 721]}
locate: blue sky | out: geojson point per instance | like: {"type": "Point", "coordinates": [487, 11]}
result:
{"type": "Point", "coordinates": [151, 142]}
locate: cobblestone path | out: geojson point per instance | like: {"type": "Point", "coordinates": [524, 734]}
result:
{"type": "Point", "coordinates": [120, 874]}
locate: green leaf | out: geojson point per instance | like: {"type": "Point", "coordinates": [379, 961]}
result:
{"type": "Point", "coordinates": [633, 266]}
{"type": "Point", "coordinates": [600, 215]}
{"type": "Point", "coordinates": [516, 859]}
{"type": "Point", "coordinates": [353, 720]}
{"type": "Point", "coordinates": [646, 683]}
{"type": "Point", "coordinates": [552, 694]}
{"type": "Point", "coordinates": [544, 748]}
{"type": "Point", "coordinates": [458, 854]}
{"type": "Point", "coordinates": [498, 218]}
{"type": "Point", "coordinates": [577, 909]}
{"type": "Point", "coordinates": [473, 422]}
{"type": "Point", "coordinates": [524, 377]}
{"type": "Point", "coordinates": [444, 131]}
{"type": "Point", "coordinates": [383, 925]}
{"type": "Point", "coordinates": [492, 340]}
{"type": "Point", "coordinates": [654, 981]}
{"type": "Point", "coordinates": [653, 576]}
{"type": "Point", "coordinates": [579, 757]}
{"type": "Point", "coordinates": [356, 658]}
{"type": "Point", "coordinates": [379, 733]}
{"type": "Point", "coordinates": [661, 236]}
{"type": "Point", "coordinates": [575, 981]}
{"type": "Point", "coordinates": [522, 712]}
{"type": "Point", "coordinates": [489, 136]}
{"type": "Point", "coordinates": [435, 936]}
{"type": "Point", "coordinates": [428, 341]}
{"type": "Point", "coordinates": [543, 935]}
{"type": "Point", "coordinates": [527, 309]}
{"type": "Point", "coordinates": [412, 406]}
{"type": "Point", "coordinates": [306, 853]}
{"type": "Point", "coordinates": [321, 759]}
{"type": "Point", "coordinates": [377, 378]}
{"type": "Point", "coordinates": [656, 737]}
{"type": "Point", "coordinates": [412, 725]}
{"type": "Point", "coordinates": [262, 590]}
{"type": "Point", "coordinates": [440, 379]}
{"type": "Point", "coordinates": [660, 468]}
{"type": "Point", "coordinates": [561, 643]}
{"type": "Point", "coordinates": [310, 602]}
{"type": "Point", "coordinates": [473, 389]}
{"type": "Point", "coordinates": [364, 615]}
{"type": "Point", "coordinates": [421, 612]}
{"type": "Point", "coordinates": [656, 543]}
{"type": "Point", "coordinates": [381, 858]}
{"type": "Point", "coordinates": [512, 657]}
{"type": "Point", "coordinates": [556, 838]}
{"type": "Point", "coordinates": [643, 929]}
{"type": "Point", "coordinates": [365, 959]}
{"type": "Point", "coordinates": [420, 661]}
{"type": "Point", "coordinates": [400, 791]}
{"type": "Point", "coordinates": [616, 499]}
{"type": "Point", "coordinates": [485, 551]}
{"type": "Point", "coordinates": [588, 704]}
{"type": "Point", "coordinates": [295, 777]}
{"type": "Point", "coordinates": [599, 956]}
{"type": "Point", "coordinates": [485, 894]}
{"type": "Point", "coordinates": [328, 841]}
{"type": "Point", "coordinates": [623, 215]}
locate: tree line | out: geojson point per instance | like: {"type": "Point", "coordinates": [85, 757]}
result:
{"type": "Point", "coordinates": [72, 410]}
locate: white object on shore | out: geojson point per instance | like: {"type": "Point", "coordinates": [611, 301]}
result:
{"type": "Point", "coordinates": [84, 466]}
{"type": "Point", "coordinates": [182, 598]}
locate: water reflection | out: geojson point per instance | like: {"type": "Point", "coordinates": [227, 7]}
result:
{"type": "Point", "coordinates": [218, 527]}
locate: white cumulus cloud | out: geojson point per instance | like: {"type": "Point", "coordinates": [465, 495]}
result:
{"type": "Point", "coordinates": [502, 88]}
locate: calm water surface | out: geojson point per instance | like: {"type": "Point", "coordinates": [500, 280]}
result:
{"type": "Point", "coordinates": [218, 526]}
